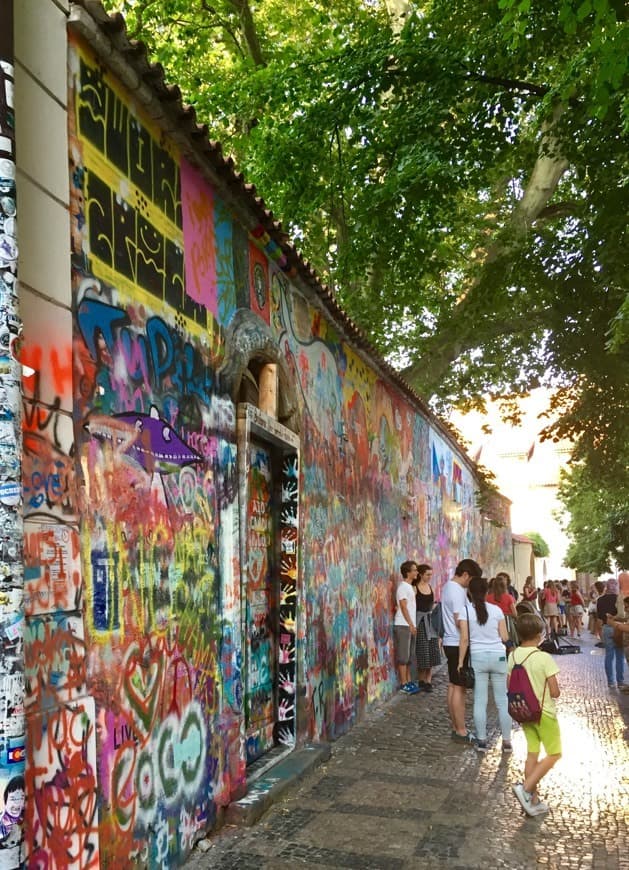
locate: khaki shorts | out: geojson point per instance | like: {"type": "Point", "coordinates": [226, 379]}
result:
{"type": "Point", "coordinates": [402, 643]}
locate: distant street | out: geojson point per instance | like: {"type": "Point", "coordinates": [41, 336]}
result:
{"type": "Point", "coordinates": [399, 793]}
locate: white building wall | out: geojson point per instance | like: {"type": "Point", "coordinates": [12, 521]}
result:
{"type": "Point", "coordinates": [522, 563]}
{"type": "Point", "coordinates": [527, 471]}
{"type": "Point", "coordinates": [51, 539]}
{"type": "Point", "coordinates": [42, 154]}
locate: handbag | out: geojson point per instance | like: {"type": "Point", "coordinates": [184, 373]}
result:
{"type": "Point", "coordinates": [466, 673]}
{"type": "Point", "coordinates": [467, 677]}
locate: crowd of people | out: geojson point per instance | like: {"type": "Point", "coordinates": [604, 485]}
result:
{"type": "Point", "coordinates": [485, 629]}
{"type": "Point", "coordinates": [563, 605]}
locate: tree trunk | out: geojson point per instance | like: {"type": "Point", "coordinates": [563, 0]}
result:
{"type": "Point", "coordinates": [398, 10]}
{"type": "Point", "coordinates": [249, 31]}
{"type": "Point", "coordinates": [458, 335]}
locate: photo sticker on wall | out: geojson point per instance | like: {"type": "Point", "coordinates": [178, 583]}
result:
{"type": "Point", "coordinates": [259, 283]}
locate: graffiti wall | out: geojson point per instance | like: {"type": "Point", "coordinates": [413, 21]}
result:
{"type": "Point", "coordinates": [380, 485]}
{"type": "Point", "coordinates": [162, 653]}
{"type": "Point", "coordinates": [260, 710]}
{"type": "Point", "coordinates": [285, 730]}
{"type": "Point", "coordinates": [156, 448]}
{"type": "Point", "coordinates": [62, 823]}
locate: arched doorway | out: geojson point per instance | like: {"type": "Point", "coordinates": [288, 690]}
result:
{"type": "Point", "coordinates": [268, 461]}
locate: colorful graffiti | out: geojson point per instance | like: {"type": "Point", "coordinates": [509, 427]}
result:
{"type": "Point", "coordinates": [156, 490]}
{"type": "Point", "coordinates": [272, 592]}
{"type": "Point", "coordinates": [285, 731]}
{"type": "Point", "coordinates": [55, 654]}
{"type": "Point", "coordinates": [62, 810]}
{"type": "Point", "coordinates": [160, 484]}
{"type": "Point", "coordinates": [145, 696]}
{"type": "Point", "coordinates": [381, 484]}
{"type": "Point", "coordinates": [136, 239]}
{"type": "Point", "coordinates": [154, 747]}
{"type": "Point", "coordinates": [260, 593]}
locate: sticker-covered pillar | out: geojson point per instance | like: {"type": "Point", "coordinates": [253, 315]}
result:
{"type": "Point", "coordinates": [11, 525]}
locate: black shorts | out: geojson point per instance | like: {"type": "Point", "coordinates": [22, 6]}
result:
{"type": "Point", "coordinates": [452, 657]}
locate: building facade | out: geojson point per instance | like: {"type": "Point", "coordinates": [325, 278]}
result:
{"type": "Point", "coordinates": [219, 475]}
{"type": "Point", "coordinates": [527, 470]}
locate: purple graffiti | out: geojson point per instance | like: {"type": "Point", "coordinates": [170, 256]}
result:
{"type": "Point", "coordinates": [146, 438]}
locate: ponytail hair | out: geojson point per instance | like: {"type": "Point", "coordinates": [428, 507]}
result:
{"type": "Point", "coordinates": [478, 592]}
{"type": "Point", "coordinates": [500, 586]}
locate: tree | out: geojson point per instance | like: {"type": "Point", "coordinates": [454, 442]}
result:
{"type": "Point", "coordinates": [462, 172]}
{"type": "Point", "coordinates": [457, 173]}
{"type": "Point", "coordinates": [598, 525]}
{"type": "Point", "coordinates": [540, 547]}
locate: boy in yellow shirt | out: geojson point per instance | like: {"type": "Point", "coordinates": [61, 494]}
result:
{"type": "Point", "coordinates": [542, 672]}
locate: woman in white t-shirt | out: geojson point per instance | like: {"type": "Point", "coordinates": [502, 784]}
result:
{"type": "Point", "coordinates": [484, 630]}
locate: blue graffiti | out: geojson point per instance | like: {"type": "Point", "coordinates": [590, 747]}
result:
{"type": "Point", "coordinates": [161, 359]}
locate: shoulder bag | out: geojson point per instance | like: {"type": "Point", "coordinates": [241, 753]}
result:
{"type": "Point", "coordinates": [466, 673]}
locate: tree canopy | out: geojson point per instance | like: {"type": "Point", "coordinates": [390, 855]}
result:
{"type": "Point", "coordinates": [455, 171]}
{"type": "Point", "coordinates": [598, 524]}
{"type": "Point", "coordinates": [540, 547]}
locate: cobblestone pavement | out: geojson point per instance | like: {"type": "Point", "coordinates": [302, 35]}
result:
{"type": "Point", "coordinates": [399, 793]}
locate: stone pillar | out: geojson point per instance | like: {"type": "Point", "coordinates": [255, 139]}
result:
{"type": "Point", "coordinates": [267, 390]}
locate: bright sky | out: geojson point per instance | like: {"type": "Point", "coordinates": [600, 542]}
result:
{"type": "Point", "coordinates": [527, 471]}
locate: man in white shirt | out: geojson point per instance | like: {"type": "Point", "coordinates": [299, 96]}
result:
{"type": "Point", "coordinates": [404, 628]}
{"type": "Point", "coordinates": [453, 600]}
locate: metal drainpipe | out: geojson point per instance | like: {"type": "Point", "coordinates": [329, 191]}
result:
{"type": "Point", "coordinates": [12, 729]}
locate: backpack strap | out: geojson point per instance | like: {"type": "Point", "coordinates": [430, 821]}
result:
{"type": "Point", "coordinates": [541, 703]}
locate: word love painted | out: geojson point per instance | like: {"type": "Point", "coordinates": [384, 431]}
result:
{"type": "Point", "coordinates": [167, 769]}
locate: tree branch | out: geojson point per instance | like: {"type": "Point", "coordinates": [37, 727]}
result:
{"type": "Point", "coordinates": [516, 85]}
{"type": "Point", "coordinates": [509, 84]}
{"type": "Point", "coordinates": [138, 30]}
{"type": "Point", "coordinates": [224, 24]}
{"type": "Point", "coordinates": [547, 171]}
{"type": "Point", "coordinates": [248, 30]}
{"type": "Point", "coordinates": [560, 209]}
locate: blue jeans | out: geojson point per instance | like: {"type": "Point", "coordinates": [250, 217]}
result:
{"type": "Point", "coordinates": [490, 667]}
{"type": "Point", "coordinates": [613, 654]}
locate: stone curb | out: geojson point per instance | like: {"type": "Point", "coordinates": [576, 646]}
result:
{"type": "Point", "coordinates": [272, 785]}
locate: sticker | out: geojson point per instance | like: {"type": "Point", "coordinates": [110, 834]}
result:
{"type": "Point", "coordinates": [10, 493]}
{"type": "Point", "coordinates": [7, 204]}
{"type": "Point", "coordinates": [8, 247]}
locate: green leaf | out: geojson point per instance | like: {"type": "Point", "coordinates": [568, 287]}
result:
{"type": "Point", "coordinates": [584, 10]}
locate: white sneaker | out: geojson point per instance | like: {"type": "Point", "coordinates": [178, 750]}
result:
{"type": "Point", "coordinates": [539, 809]}
{"type": "Point", "coordinates": [524, 797]}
